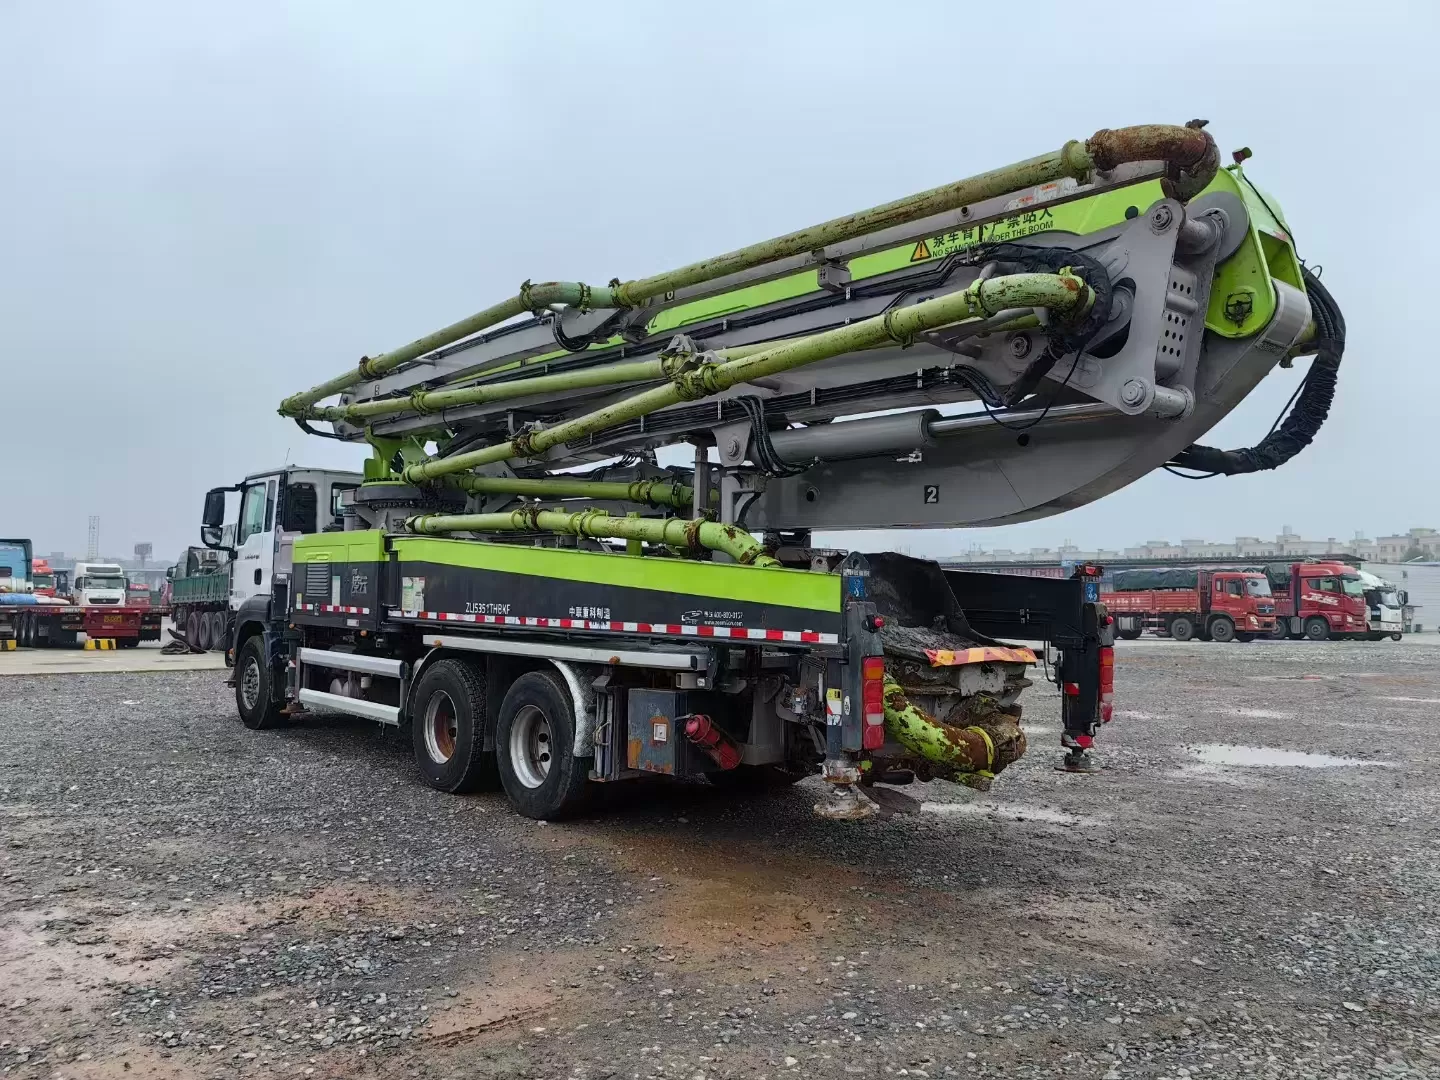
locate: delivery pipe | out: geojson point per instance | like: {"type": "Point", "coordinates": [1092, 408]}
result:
{"type": "Point", "coordinates": [1064, 294]}
{"type": "Point", "coordinates": [1189, 153]}
{"type": "Point", "coordinates": [673, 532]}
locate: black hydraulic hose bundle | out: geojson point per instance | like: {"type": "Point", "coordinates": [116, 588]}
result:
{"type": "Point", "coordinates": [1311, 404]}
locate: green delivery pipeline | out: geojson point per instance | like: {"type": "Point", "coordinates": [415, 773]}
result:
{"type": "Point", "coordinates": [654, 492]}
{"type": "Point", "coordinates": [422, 402]}
{"type": "Point", "coordinates": [1189, 153]}
{"type": "Point", "coordinates": [1063, 294]}
{"type": "Point", "coordinates": [674, 532]}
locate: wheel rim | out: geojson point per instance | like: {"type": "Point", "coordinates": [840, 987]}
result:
{"type": "Point", "coordinates": [250, 684]}
{"type": "Point", "coordinates": [441, 727]}
{"type": "Point", "coordinates": [531, 746]}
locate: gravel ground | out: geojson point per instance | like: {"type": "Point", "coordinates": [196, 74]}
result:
{"type": "Point", "coordinates": [180, 897]}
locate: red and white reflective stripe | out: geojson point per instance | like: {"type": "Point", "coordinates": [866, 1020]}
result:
{"type": "Point", "coordinates": [805, 637]}
{"type": "Point", "coordinates": [334, 609]}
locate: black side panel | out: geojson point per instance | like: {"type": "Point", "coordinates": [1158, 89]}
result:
{"type": "Point", "coordinates": [1010, 606]}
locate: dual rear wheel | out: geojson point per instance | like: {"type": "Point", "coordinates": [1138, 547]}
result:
{"type": "Point", "coordinates": [534, 738]}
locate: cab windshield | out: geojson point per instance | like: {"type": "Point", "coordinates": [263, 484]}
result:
{"type": "Point", "coordinates": [1353, 586]}
{"type": "Point", "coordinates": [95, 581]}
{"type": "Point", "coordinates": [1257, 586]}
{"type": "Point", "coordinates": [1383, 598]}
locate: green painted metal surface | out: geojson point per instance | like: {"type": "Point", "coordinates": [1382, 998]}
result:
{"type": "Point", "coordinates": [784, 587]}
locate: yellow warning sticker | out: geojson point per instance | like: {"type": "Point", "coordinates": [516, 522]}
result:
{"type": "Point", "coordinates": [1016, 226]}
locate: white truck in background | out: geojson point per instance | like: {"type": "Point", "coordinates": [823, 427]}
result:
{"type": "Point", "coordinates": [95, 583]}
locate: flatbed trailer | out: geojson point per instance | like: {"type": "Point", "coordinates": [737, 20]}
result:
{"type": "Point", "coordinates": [41, 626]}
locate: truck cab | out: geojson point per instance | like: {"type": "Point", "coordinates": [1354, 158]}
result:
{"type": "Point", "coordinates": [1245, 597]}
{"type": "Point", "coordinates": [1326, 600]}
{"type": "Point", "coordinates": [98, 584]}
{"type": "Point", "coordinates": [1384, 606]}
{"type": "Point", "coordinates": [272, 509]}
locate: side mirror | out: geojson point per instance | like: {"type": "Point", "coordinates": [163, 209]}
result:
{"type": "Point", "coordinates": [210, 536]}
{"type": "Point", "coordinates": [214, 515]}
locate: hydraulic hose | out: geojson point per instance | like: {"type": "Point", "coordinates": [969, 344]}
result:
{"type": "Point", "coordinates": [1307, 415]}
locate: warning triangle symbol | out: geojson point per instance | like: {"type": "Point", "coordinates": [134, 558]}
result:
{"type": "Point", "coordinates": [921, 252]}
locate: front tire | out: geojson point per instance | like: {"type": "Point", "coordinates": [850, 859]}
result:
{"type": "Point", "coordinates": [255, 688]}
{"type": "Point", "coordinates": [535, 748]}
{"type": "Point", "coordinates": [1396, 637]}
{"type": "Point", "coordinates": [1222, 630]}
{"type": "Point", "coordinates": [1244, 635]}
{"type": "Point", "coordinates": [1181, 628]}
{"type": "Point", "coordinates": [447, 726]}
{"type": "Point", "coordinates": [1316, 628]}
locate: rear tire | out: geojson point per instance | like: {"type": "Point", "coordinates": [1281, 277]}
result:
{"type": "Point", "coordinates": [1130, 634]}
{"type": "Point", "coordinates": [217, 630]}
{"type": "Point", "coordinates": [1281, 630]}
{"type": "Point", "coordinates": [535, 748]}
{"type": "Point", "coordinates": [255, 688]}
{"type": "Point", "coordinates": [1181, 628]}
{"type": "Point", "coordinates": [192, 629]}
{"type": "Point", "coordinates": [1244, 635]}
{"type": "Point", "coordinates": [447, 726]}
{"type": "Point", "coordinates": [1222, 629]}
{"type": "Point", "coordinates": [202, 631]}
{"type": "Point", "coordinates": [129, 643]}
{"type": "Point", "coordinates": [1316, 628]}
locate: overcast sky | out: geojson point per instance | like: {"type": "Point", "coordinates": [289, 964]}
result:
{"type": "Point", "coordinates": [209, 207]}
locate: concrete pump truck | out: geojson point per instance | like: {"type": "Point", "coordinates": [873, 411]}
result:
{"type": "Point", "coordinates": [525, 578]}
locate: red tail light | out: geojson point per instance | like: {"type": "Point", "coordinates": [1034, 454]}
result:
{"type": "Point", "coordinates": [872, 698]}
{"type": "Point", "coordinates": [1107, 683]}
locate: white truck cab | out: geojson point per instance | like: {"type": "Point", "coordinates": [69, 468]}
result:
{"type": "Point", "coordinates": [1385, 614]}
{"type": "Point", "coordinates": [97, 584]}
{"type": "Point", "coordinates": [273, 507]}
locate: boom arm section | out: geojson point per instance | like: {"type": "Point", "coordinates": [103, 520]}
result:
{"type": "Point", "coordinates": [1104, 305]}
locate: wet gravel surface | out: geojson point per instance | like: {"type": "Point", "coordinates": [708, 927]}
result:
{"type": "Point", "coordinates": [180, 897]}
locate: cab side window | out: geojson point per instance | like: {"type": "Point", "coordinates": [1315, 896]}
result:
{"type": "Point", "coordinates": [1235, 588]}
{"type": "Point", "coordinates": [1325, 584]}
{"type": "Point", "coordinates": [252, 512]}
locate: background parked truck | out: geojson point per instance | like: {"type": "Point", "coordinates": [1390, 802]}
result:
{"type": "Point", "coordinates": [1186, 602]}
{"type": "Point", "coordinates": [1318, 600]}
{"type": "Point", "coordinates": [97, 608]}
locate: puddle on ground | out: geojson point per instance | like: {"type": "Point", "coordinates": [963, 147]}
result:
{"type": "Point", "coordinates": [1268, 757]}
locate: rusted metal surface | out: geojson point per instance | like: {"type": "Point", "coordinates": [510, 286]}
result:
{"type": "Point", "coordinates": [1190, 154]}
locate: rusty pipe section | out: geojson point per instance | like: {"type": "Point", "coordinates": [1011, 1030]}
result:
{"type": "Point", "coordinates": [969, 755]}
{"type": "Point", "coordinates": [1190, 155]}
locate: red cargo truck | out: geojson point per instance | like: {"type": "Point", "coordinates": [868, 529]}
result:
{"type": "Point", "coordinates": [1185, 602]}
{"type": "Point", "coordinates": [1318, 600]}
